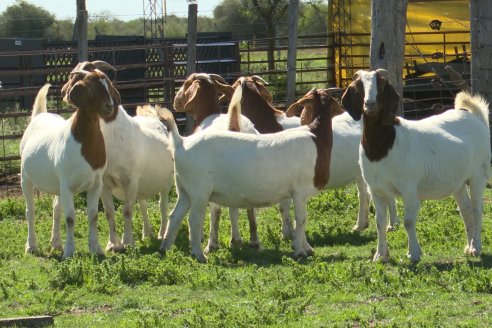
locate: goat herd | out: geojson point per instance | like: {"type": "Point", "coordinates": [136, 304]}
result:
{"type": "Point", "coordinates": [253, 156]}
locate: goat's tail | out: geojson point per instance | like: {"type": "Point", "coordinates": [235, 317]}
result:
{"type": "Point", "coordinates": [234, 110]}
{"type": "Point", "coordinates": [167, 118]}
{"type": "Point", "coordinates": [40, 102]}
{"type": "Point", "coordinates": [148, 110]}
{"type": "Point", "coordinates": [473, 103]}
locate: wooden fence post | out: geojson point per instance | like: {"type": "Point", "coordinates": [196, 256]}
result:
{"type": "Point", "coordinates": [81, 31]}
{"type": "Point", "coordinates": [292, 52]}
{"type": "Point", "coordinates": [481, 47]}
{"type": "Point", "coordinates": [388, 19]}
{"type": "Point", "coordinates": [191, 55]}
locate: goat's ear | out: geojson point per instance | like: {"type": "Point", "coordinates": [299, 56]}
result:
{"type": "Point", "coordinates": [352, 101]}
{"type": "Point", "coordinates": [77, 95]}
{"type": "Point", "coordinates": [293, 109]}
{"type": "Point", "coordinates": [391, 100]}
{"type": "Point", "coordinates": [225, 89]}
{"type": "Point", "coordinates": [190, 104]}
{"type": "Point", "coordinates": [264, 92]}
{"type": "Point", "coordinates": [336, 109]}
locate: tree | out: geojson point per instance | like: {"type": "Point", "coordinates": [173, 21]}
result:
{"type": "Point", "coordinates": [24, 20]}
{"type": "Point", "coordinates": [233, 16]}
{"type": "Point", "coordinates": [271, 12]}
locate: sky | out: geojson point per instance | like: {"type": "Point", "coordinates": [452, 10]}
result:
{"type": "Point", "coordinates": [121, 9]}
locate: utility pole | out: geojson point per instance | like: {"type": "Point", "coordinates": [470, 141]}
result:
{"type": "Point", "coordinates": [481, 45]}
{"type": "Point", "coordinates": [81, 31]}
{"type": "Point", "coordinates": [388, 20]}
{"type": "Point", "coordinates": [292, 52]}
{"type": "Point", "coordinates": [191, 54]}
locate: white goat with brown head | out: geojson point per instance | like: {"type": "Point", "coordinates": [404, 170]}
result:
{"type": "Point", "coordinates": [64, 157]}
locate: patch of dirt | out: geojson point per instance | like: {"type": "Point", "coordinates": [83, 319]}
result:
{"type": "Point", "coordinates": [10, 186]}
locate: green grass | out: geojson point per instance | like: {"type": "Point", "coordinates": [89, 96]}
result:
{"type": "Point", "coordinates": [338, 287]}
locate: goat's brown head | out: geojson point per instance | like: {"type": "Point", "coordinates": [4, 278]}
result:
{"type": "Point", "coordinates": [200, 92]}
{"type": "Point", "coordinates": [90, 89]}
{"type": "Point", "coordinates": [371, 94]}
{"type": "Point", "coordinates": [312, 103]}
{"type": "Point", "coordinates": [254, 82]}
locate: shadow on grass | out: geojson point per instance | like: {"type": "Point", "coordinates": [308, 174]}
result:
{"type": "Point", "coordinates": [484, 261]}
{"type": "Point", "coordinates": [341, 238]}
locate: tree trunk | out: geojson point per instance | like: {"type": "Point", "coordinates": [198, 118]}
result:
{"type": "Point", "coordinates": [481, 45]}
{"type": "Point", "coordinates": [388, 19]}
{"type": "Point", "coordinates": [271, 46]}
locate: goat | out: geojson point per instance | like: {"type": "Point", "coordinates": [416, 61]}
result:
{"type": "Point", "coordinates": [199, 96]}
{"type": "Point", "coordinates": [344, 164]}
{"type": "Point", "coordinates": [427, 159]}
{"type": "Point", "coordinates": [64, 157]}
{"type": "Point", "coordinates": [241, 170]}
{"type": "Point", "coordinates": [139, 164]}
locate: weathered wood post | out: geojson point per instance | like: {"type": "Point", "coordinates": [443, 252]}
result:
{"type": "Point", "coordinates": [81, 31]}
{"type": "Point", "coordinates": [481, 45]}
{"type": "Point", "coordinates": [292, 52]}
{"type": "Point", "coordinates": [388, 19]}
{"type": "Point", "coordinates": [191, 54]}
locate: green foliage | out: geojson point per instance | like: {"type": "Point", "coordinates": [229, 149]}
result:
{"type": "Point", "coordinates": [25, 20]}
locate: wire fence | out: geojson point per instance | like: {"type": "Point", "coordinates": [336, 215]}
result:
{"type": "Point", "coordinates": [160, 69]}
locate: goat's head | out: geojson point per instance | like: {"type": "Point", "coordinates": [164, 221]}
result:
{"type": "Point", "coordinates": [371, 94]}
{"type": "Point", "coordinates": [201, 91]}
{"type": "Point", "coordinates": [90, 89]}
{"type": "Point", "coordinates": [312, 103]}
{"type": "Point", "coordinates": [256, 83]}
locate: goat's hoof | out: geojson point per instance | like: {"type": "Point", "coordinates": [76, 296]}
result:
{"type": "Point", "coordinates": [116, 248]}
{"type": "Point", "coordinates": [32, 250]}
{"type": "Point", "coordinates": [211, 248]}
{"type": "Point", "coordinates": [98, 251]}
{"type": "Point", "coordinates": [56, 247]}
{"type": "Point", "coordinates": [234, 243]}
{"type": "Point", "coordinates": [300, 254]}
{"type": "Point", "coordinates": [472, 251]}
{"type": "Point", "coordinates": [309, 250]}
{"type": "Point", "coordinates": [378, 257]}
{"type": "Point", "coordinates": [200, 257]}
{"type": "Point", "coordinates": [359, 228]}
{"type": "Point", "coordinates": [255, 245]}
{"type": "Point", "coordinates": [391, 228]}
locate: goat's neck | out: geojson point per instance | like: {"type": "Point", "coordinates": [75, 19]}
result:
{"type": "Point", "coordinates": [86, 130]}
{"type": "Point", "coordinates": [321, 128]}
{"type": "Point", "coordinates": [263, 115]}
{"type": "Point", "coordinates": [211, 107]}
{"type": "Point", "coordinates": [377, 139]}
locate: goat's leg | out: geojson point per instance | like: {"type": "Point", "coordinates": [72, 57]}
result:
{"type": "Point", "coordinates": [412, 205]}
{"type": "Point", "coordinates": [147, 230]}
{"type": "Point", "coordinates": [300, 244]}
{"type": "Point", "coordinates": [66, 201]}
{"type": "Point", "coordinates": [465, 206]}
{"type": "Point", "coordinates": [287, 229]}
{"type": "Point", "coordinates": [28, 191]}
{"type": "Point", "coordinates": [163, 203]}
{"type": "Point", "coordinates": [114, 242]}
{"type": "Point", "coordinates": [394, 220]}
{"type": "Point", "coordinates": [364, 198]}
{"type": "Point", "coordinates": [175, 218]}
{"type": "Point", "coordinates": [93, 196]}
{"type": "Point", "coordinates": [213, 238]}
{"type": "Point", "coordinates": [55, 241]}
{"type": "Point", "coordinates": [382, 252]}
{"type": "Point", "coordinates": [130, 200]}
{"type": "Point", "coordinates": [196, 220]}
{"type": "Point", "coordinates": [477, 187]}
{"type": "Point", "coordinates": [236, 239]}
{"type": "Point", "coordinates": [254, 241]}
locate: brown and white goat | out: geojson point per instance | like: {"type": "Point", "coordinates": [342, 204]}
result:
{"type": "Point", "coordinates": [64, 157]}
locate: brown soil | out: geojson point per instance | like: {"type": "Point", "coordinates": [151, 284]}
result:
{"type": "Point", "coordinates": [10, 186]}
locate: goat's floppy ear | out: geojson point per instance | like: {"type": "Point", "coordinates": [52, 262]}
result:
{"type": "Point", "coordinates": [190, 104]}
{"type": "Point", "coordinates": [293, 109]}
{"type": "Point", "coordinates": [352, 100]}
{"type": "Point", "coordinates": [77, 95]}
{"type": "Point", "coordinates": [225, 90]}
{"type": "Point", "coordinates": [391, 100]}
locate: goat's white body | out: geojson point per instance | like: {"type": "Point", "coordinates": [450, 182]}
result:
{"type": "Point", "coordinates": [431, 159]}
{"type": "Point", "coordinates": [288, 122]}
{"type": "Point", "coordinates": [52, 161]}
{"type": "Point", "coordinates": [139, 166]}
{"type": "Point", "coordinates": [220, 122]}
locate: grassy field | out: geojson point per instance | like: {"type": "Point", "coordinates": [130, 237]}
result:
{"type": "Point", "coordinates": [338, 287]}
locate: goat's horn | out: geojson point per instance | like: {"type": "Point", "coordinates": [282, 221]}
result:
{"type": "Point", "coordinates": [218, 78]}
{"type": "Point", "coordinates": [100, 64]}
{"type": "Point", "coordinates": [203, 76]}
{"type": "Point", "coordinates": [383, 72]}
{"type": "Point", "coordinates": [259, 78]}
